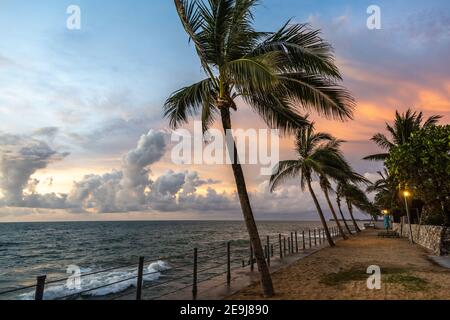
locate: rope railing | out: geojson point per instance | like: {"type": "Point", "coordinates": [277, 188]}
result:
{"type": "Point", "coordinates": [274, 245]}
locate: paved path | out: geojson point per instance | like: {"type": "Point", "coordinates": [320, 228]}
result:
{"type": "Point", "coordinates": [340, 272]}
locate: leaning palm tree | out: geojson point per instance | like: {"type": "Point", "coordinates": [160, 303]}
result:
{"type": "Point", "coordinates": [338, 201]}
{"type": "Point", "coordinates": [276, 74]}
{"type": "Point", "coordinates": [354, 196]}
{"type": "Point", "coordinates": [318, 154]}
{"type": "Point", "coordinates": [404, 125]}
{"type": "Point", "coordinates": [326, 188]}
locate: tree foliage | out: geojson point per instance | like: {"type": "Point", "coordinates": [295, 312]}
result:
{"type": "Point", "coordinates": [422, 165]}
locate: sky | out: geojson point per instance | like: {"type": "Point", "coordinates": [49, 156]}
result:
{"type": "Point", "coordinates": [82, 134]}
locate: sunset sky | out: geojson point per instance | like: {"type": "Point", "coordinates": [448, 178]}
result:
{"type": "Point", "coordinates": [81, 110]}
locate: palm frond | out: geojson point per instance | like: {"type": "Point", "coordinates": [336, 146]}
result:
{"type": "Point", "coordinates": [377, 157]}
{"type": "Point", "coordinates": [382, 141]}
{"type": "Point", "coordinates": [304, 50]}
{"type": "Point", "coordinates": [315, 93]}
{"type": "Point", "coordinates": [254, 74]}
{"type": "Point", "coordinates": [285, 170]}
{"type": "Point", "coordinates": [191, 19]}
{"type": "Point", "coordinates": [188, 101]}
{"type": "Point", "coordinates": [432, 121]}
{"type": "Point", "coordinates": [276, 113]}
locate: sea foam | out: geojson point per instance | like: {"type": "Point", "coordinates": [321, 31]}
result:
{"type": "Point", "coordinates": [126, 278]}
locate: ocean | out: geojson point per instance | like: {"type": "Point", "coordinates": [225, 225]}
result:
{"type": "Point", "coordinates": [64, 249]}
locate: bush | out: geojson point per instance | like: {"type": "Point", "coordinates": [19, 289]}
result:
{"type": "Point", "coordinates": [422, 165]}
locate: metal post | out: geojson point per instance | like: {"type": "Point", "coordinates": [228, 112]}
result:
{"type": "Point", "coordinates": [296, 242]}
{"type": "Point", "coordinates": [281, 248]}
{"type": "Point", "coordinates": [292, 242]}
{"type": "Point", "coordinates": [194, 278]}
{"type": "Point", "coordinates": [315, 238]}
{"type": "Point", "coordinates": [303, 240]}
{"type": "Point", "coordinates": [228, 263]}
{"type": "Point", "coordinates": [310, 244]}
{"type": "Point", "coordinates": [140, 279]}
{"type": "Point", "coordinates": [268, 251]}
{"type": "Point", "coordinates": [411, 239]}
{"type": "Point", "coordinates": [40, 286]}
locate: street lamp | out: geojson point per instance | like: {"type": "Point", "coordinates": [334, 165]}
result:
{"type": "Point", "coordinates": [406, 195]}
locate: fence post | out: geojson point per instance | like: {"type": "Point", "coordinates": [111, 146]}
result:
{"type": "Point", "coordinates": [320, 236]}
{"type": "Point", "coordinates": [194, 283]}
{"type": "Point", "coordinates": [268, 250]}
{"type": "Point", "coordinates": [252, 259]}
{"type": "Point", "coordinates": [310, 244]}
{"type": "Point", "coordinates": [296, 242]}
{"type": "Point", "coordinates": [292, 242]}
{"type": "Point", "coordinates": [289, 245]}
{"type": "Point", "coordinates": [281, 247]}
{"type": "Point", "coordinates": [140, 279]}
{"type": "Point", "coordinates": [315, 238]}
{"type": "Point", "coordinates": [228, 263]}
{"type": "Point", "coordinates": [303, 240]}
{"type": "Point", "coordinates": [40, 285]}
{"type": "Point", "coordinates": [284, 246]}
{"type": "Point", "coordinates": [271, 250]}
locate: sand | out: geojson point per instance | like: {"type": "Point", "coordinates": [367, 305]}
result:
{"type": "Point", "coordinates": [340, 273]}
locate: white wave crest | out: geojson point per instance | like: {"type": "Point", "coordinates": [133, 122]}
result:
{"type": "Point", "coordinates": [111, 282]}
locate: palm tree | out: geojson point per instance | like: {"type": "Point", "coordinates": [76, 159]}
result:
{"type": "Point", "coordinates": [326, 188]}
{"type": "Point", "coordinates": [318, 153]}
{"type": "Point", "coordinates": [338, 201]}
{"type": "Point", "coordinates": [354, 196]}
{"type": "Point", "coordinates": [276, 74]}
{"type": "Point", "coordinates": [404, 125]}
{"type": "Point", "coordinates": [386, 189]}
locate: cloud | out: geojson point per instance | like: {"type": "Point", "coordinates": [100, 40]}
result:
{"type": "Point", "coordinates": [21, 157]}
{"type": "Point", "coordinates": [47, 132]}
{"type": "Point", "coordinates": [124, 190]}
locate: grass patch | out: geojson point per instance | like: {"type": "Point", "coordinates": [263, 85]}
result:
{"type": "Point", "coordinates": [408, 281]}
{"type": "Point", "coordinates": [342, 277]}
{"type": "Point", "coordinates": [398, 276]}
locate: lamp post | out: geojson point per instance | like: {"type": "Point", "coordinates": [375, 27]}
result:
{"type": "Point", "coordinates": [407, 194]}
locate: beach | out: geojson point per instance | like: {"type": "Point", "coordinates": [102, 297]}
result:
{"type": "Point", "coordinates": [339, 273]}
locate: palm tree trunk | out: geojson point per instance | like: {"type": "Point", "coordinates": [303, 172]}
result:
{"type": "Point", "coordinates": [343, 218]}
{"type": "Point", "coordinates": [266, 279]}
{"type": "Point", "coordinates": [350, 209]}
{"type": "Point", "coordinates": [319, 210]}
{"type": "Point", "coordinates": [333, 212]}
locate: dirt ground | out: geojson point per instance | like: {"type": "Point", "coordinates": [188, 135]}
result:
{"type": "Point", "coordinates": [341, 273]}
